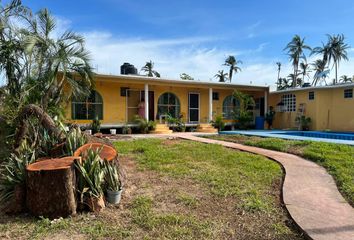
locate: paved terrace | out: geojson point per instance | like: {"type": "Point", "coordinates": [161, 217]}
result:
{"type": "Point", "coordinates": [309, 193]}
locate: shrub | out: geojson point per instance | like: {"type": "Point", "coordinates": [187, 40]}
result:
{"type": "Point", "coordinates": [144, 125]}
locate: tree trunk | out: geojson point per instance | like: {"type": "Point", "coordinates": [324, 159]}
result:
{"type": "Point", "coordinates": [51, 188]}
{"type": "Point", "coordinates": [336, 72]}
{"type": "Point", "coordinates": [45, 120]}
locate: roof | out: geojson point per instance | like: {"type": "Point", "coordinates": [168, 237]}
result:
{"type": "Point", "coordinates": [343, 85]}
{"type": "Point", "coordinates": [184, 82]}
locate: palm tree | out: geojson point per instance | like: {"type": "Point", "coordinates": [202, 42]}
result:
{"type": "Point", "coordinates": [149, 70]}
{"type": "Point", "coordinates": [305, 70]}
{"type": "Point", "coordinates": [345, 79]}
{"type": "Point", "coordinates": [335, 50]}
{"type": "Point", "coordinates": [319, 66]}
{"type": "Point", "coordinates": [232, 63]}
{"type": "Point", "coordinates": [294, 80]}
{"type": "Point", "coordinates": [221, 76]}
{"type": "Point", "coordinates": [295, 50]}
{"type": "Point", "coordinates": [65, 56]}
{"type": "Point", "coordinates": [279, 68]}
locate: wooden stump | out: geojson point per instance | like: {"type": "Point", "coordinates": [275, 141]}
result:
{"type": "Point", "coordinates": [51, 190]}
{"type": "Point", "coordinates": [107, 152]}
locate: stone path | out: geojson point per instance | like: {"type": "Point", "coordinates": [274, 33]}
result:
{"type": "Point", "coordinates": [309, 194]}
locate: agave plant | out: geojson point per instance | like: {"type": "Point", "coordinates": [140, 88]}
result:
{"type": "Point", "coordinates": [91, 174]}
{"type": "Point", "coordinates": [14, 171]}
{"type": "Point", "coordinates": [144, 125]}
{"type": "Point", "coordinates": [74, 139]}
{"type": "Point", "coordinates": [112, 176]}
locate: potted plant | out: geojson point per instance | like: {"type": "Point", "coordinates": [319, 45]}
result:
{"type": "Point", "coordinates": [90, 180]}
{"type": "Point", "coordinates": [113, 185]}
{"type": "Point", "coordinates": [218, 123]}
{"type": "Point", "coordinates": [126, 130]}
{"type": "Point", "coordinates": [304, 123]}
{"type": "Point", "coordinates": [96, 125]}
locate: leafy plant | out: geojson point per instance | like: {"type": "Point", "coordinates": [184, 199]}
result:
{"type": "Point", "coordinates": [95, 125]}
{"type": "Point", "coordinates": [91, 174]}
{"type": "Point", "coordinates": [74, 139]}
{"type": "Point", "coordinates": [243, 115]}
{"type": "Point", "coordinates": [218, 123]}
{"type": "Point", "coordinates": [112, 176]}
{"type": "Point", "coordinates": [177, 124]}
{"type": "Point", "coordinates": [13, 172]}
{"type": "Point", "coordinates": [144, 125]}
{"type": "Point", "coordinates": [126, 130]}
{"type": "Point", "coordinates": [304, 122]}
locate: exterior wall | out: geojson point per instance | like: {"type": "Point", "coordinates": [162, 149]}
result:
{"type": "Point", "coordinates": [114, 105]}
{"type": "Point", "coordinates": [329, 110]}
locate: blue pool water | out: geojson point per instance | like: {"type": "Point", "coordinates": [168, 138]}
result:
{"type": "Point", "coordinates": [332, 137]}
{"type": "Point", "coordinates": [315, 134]}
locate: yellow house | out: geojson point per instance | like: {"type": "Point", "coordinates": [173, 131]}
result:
{"type": "Point", "coordinates": [117, 99]}
{"type": "Point", "coordinates": [329, 107]}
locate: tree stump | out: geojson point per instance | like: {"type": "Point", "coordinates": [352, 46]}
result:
{"type": "Point", "coordinates": [107, 152]}
{"type": "Point", "coordinates": [51, 188]}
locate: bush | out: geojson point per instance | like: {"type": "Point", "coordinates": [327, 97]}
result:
{"type": "Point", "coordinates": [144, 125]}
{"type": "Point", "coordinates": [218, 123]}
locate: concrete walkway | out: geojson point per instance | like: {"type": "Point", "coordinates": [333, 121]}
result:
{"type": "Point", "coordinates": [309, 194]}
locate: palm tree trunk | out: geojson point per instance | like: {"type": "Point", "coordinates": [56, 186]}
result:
{"type": "Point", "coordinates": [336, 72]}
{"type": "Point", "coordinates": [230, 73]}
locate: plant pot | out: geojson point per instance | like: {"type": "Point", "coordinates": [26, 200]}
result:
{"type": "Point", "coordinates": [95, 204]}
{"type": "Point", "coordinates": [113, 131]}
{"type": "Point", "coordinates": [114, 197]}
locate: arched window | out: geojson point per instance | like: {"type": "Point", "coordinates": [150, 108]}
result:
{"type": "Point", "coordinates": [229, 106]}
{"type": "Point", "coordinates": [89, 108]}
{"type": "Point", "coordinates": [168, 103]}
{"type": "Point", "coordinates": [289, 102]}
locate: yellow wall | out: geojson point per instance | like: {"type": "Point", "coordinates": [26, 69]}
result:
{"type": "Point", "coordinates": [114, 106]}
{"type": "Point", "coordinates": [329, 110]}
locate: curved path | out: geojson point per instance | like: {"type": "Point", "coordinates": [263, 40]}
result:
{"type": "Point", "coordinates": [309, 194]}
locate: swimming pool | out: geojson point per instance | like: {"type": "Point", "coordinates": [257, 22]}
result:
{"type": "Point", "coordinates": [331, 137]}
{"type": "Point", "coordinates": [315, 134]}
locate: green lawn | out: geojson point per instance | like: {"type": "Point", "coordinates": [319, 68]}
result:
{"type": "Point", "coordinates": [178, 189]}
{"type": "Point", "coordinates": [338, 159]}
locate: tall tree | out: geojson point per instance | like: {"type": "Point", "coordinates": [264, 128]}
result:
{"type": "Point", "coordinates": [149, 70]}
{"type": "Point", "coordinates": [321, 73]}
{"type": "Point", "coordinates": [295, 50]}
{"type": "Point", "coordinates": [305, 70]}
{"type": "Point", "coordinates": [233, 64]}
{"type": "Point", "coordinates": [294, 80]}
{"type": "Point", "coordinates": [335, 50]}
{"type": "Point", "coordinates": [223, 77]}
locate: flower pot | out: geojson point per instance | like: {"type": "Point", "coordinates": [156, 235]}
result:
{"type": "Point", "coordinates": [114, 197]}
{"type": "Point", "coordinates": [113, 131]}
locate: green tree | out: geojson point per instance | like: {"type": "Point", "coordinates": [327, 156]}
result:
{"type": "Point", "coordinates": [185, 76]}
{"type": "Point", "coordinates": [335, 50]}
{"type": "Point", "coordinates": [319, 66]}
{"type": "Point", "coordinates": [345, 79]}
{"type": "Point", "coordinates": [233, 64]}
{"type": "Point", "coordinates": [295, 50]}
{"type": "Point", "coordinates": [305, 70]}
{"type": "Point", "coordinates": [149, 70]}
{"type": "Point", "coordinates": [223, 77]}
{"type": "Point", "coordinates": [243, 114]}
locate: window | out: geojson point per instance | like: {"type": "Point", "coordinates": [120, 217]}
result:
{"type": "Point", "coordinates": [168, 103]}
{"type": "Point", "coordinates": [215, 96]}
{"type": "Point", "coordinates": [289, 101]}
{"type": "Point", "coordinates": [124, 92]}
{"type": "Point", "coordinates": [348, 93]}
{"type": "Point", "coordinates": [229, 106]}
{"type": "Point", "coordinates": [311, 95]}
{"type": "Point", "coordinates": [88, 109]}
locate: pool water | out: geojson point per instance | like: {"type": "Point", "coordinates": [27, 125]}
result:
{"type": "Point", "coordinates": [315, 134]}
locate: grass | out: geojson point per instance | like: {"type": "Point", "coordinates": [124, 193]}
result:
{"type": "Point", "coordinates": [178, 190]}
{"type": "Point", "coordinates": [338, 159]}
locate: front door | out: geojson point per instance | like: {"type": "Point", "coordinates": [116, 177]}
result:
{"type": "Point", "coordinates": [193, 107]}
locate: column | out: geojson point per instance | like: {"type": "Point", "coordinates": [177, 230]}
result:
{"type": "Point", "coordinates": [146, 101]}
{"type": "Point", "coordinates": [265, 102]}
{"type": "Point", "coordinates": [210, 104]}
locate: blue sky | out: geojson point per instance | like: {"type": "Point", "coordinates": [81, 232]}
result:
{"type": "Point", "coordinates": [196, 36]}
